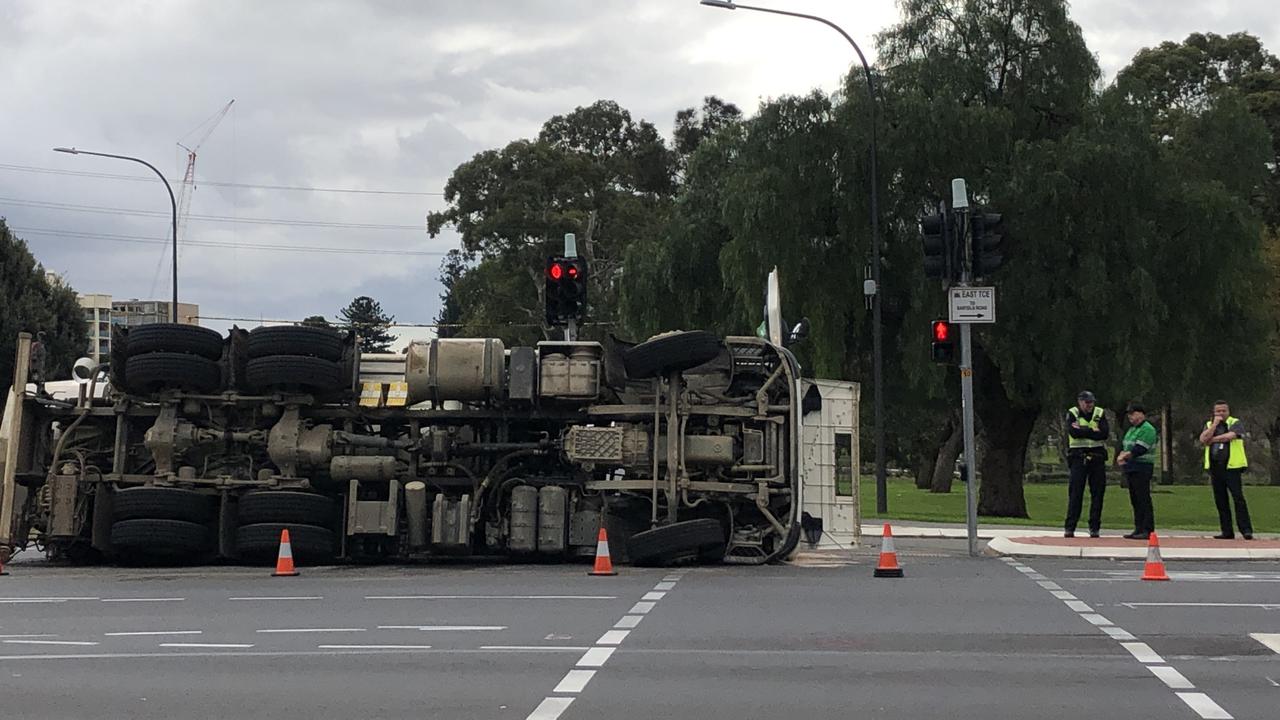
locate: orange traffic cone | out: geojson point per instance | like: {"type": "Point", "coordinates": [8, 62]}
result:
{"type": "Point", "coordinates": [888, 566]}
{"type": "Point", "coordinates": [284, 562]}
{"type": "Point", "coordinates": [1155, 565]}
{"type": "Point", "coordinates": [604, 563]}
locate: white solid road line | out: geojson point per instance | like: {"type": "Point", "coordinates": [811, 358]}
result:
{"type": "Point", "coordinates": [36, 600]}
{"type": "Point", "coordinates": [1204, 706]}
{"type": "Point", "coordinates": [444, 628]}
{"type": "Point", "coordinates": [1261, 606]}
{"type": "Point", "coordinates": [1079, 606]}
{"type": "Point", "coordinates": [629, 621]}
{"type": "Point", "coordinates": [550, 708]}
{"type": "Point", "coordinates": [1174, 679]}
{"type": "Point", "coordinates": [374, 647]}
{"type": "Point", "coordinates": [310, 630]}
{"type": "Point", "coordinates": [222, 654]}
{"type": "Point", "coordinates": [31, 635]}
{"type": "Point", "coordinates": [640, 608]}
{"type": "Point", "coordinates": [490, 597]}
{"type": "Point", "coordinates": [574, 681]}
{"type": "Point", "coordinates": [595, 657]}
{"type": "Point", "coordinates": [1271, 640]}
{"type": "Point", "coordinates": [276, 597]}
{"type": "Point", "coordinates": [536, 648]}
{"type": "Point", "coordinates": [147, 600]}
{"type": "Point", "coordinates": [1142, 652]}
{"type": "Point", "coordinates": [50, 642]}
{"type": "Point", "coordinates": [154, 632]}
{"type": "Point", "coordinates": [236, 646]}
{"type": "Point", "coordinates": [613, 637]}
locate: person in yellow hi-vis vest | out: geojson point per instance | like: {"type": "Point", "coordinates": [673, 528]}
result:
{"type": "Point", "coordinates": [1224, 458]}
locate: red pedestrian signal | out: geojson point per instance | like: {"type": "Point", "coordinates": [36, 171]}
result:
{"type": "Point", "coordinates": [943, 345]}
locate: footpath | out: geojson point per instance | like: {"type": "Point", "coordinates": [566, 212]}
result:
{"type": "Point", "coordinates": [1023, 541]}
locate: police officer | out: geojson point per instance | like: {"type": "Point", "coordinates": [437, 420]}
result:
{"type": "Point", "coordinates": [1087, 433]}
{"type": "Point", "coordinates": [1224, 458]}
{"type": "Point", "coordinates": [1138, 460]}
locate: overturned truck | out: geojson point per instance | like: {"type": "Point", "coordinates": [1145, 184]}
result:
{"type": "Point", "coordinates": [191, 446]}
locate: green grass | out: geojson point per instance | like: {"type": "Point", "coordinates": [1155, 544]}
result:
{"type": "Point", "coordinates": [1178, 507]}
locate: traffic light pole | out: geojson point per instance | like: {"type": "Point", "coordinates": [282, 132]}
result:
{"type": "Point", "coordinates": [571, 250]}
{"type": "Point", "coordinates": [960, 201]}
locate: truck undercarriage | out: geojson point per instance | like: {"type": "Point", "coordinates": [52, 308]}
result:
{"type": "Point", "coordinates": [189, 446]}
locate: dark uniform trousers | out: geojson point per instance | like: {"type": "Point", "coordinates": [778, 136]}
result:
{"type": "Point", "coordinates": [1090, 468]}
{"type": "Point", "coordinates": [1229, 481]}
{"type": "Point", "coordinates": [1139, 476]}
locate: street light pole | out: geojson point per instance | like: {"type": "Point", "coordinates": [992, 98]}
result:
{"type": "Point", "coordinates": [173, 203]}
{"type": "Point", "coordinates": [882, 502]}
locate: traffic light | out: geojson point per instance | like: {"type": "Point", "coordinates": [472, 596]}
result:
{"type": "Point", "coordinates": [941, 261]}
{"type": "Point", "coordinates": [988, 234]}
{"type": "Point", "coordinates": [565, 292]}
{"type": "Point", "coordinates": [944, 342]}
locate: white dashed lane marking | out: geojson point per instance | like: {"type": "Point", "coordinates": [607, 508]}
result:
{"type": "Point", "coordinates": [595, 657]}
{"type": "Point", "coordinates": [1202, 704]}
{"type": "Point", "coordinates": [1271, 640]}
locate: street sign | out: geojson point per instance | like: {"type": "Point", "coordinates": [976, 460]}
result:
{"type": "Point", "coordinates": [972, 305]}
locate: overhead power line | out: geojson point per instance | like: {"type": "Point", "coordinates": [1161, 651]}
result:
{"type": "Point", "coordinates": [213, 183]}
{"type": "Point", "coordinates": [111, 237]}
{"type": "Point", "coordinates": [398, 324]}
{"type": "Point", "coordinates": [100, 209]}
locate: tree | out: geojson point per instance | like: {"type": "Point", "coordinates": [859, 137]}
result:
{"type": "Point", "coordinates": [1191, 87]}
{"type": "Point", "coordinates": [594, 172]}
{"type": "Point", "coordinates": [316, 321]}
{"type": "Point", "coordinates": [452, 271]}
{"type": "Point", "coordinates": [34, 304]}
{"type": "Point", "coordinates": [370, 322]}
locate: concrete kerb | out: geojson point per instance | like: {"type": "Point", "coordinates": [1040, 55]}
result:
{"type": "Point", "coordinates": [1010, 546]}
{"type": "Point", "coordinates": [1005, 541]}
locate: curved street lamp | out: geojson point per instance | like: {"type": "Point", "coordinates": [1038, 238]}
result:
{"type": "Point", "coordinates": [882, 504]}
{"type": "Point", "coordinates": [173, 309]}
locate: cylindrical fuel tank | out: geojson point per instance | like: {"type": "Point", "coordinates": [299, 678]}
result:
{"type": "Point", "coordinates": [524, 520]}
{"type": "Point", "coordinates": [553, 520]}
{"type": "Point", "coordinates": [464, 369]}
{"type": "Point", "coordinates": [352, 467]}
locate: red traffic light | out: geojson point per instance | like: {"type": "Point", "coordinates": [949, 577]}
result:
{"type": "Point", "coordinates": [555, 271]}
{"type": "Point", "coordinates": [572, 271]}
{"type": "Point", "coordinates": [941, 331]}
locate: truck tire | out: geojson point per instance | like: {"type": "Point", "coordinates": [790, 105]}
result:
{"type": "Point", "coordinates": [670, 352]}
{"type": "Point", "coordinates": [286, 506]}
{"type": "Point", "coordinates": [311, 374]}
{"type": "Point", "coordinates": [666, 544]}
{"type": "Point", "coordinates": [176, 338]}
{"type": "Point", "coordinates": [261, 541]}
{"type": "Point", "coordinates": [160, 538]}
{"type": "Point", "coordinates": [171, 370]}
{"type": "Point", "coordinates": [162, 503]}
{"type": "Point", "coordinates": [324, 343]}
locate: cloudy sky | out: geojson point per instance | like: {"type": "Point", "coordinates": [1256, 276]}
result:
{"type": "Point", "coordinates": [386, 96]}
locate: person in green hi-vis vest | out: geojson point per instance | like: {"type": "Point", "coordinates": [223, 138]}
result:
{"type": "Point", "coordinates": [1138, 459]}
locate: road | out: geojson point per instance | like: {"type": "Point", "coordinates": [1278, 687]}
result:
{"type": "Point", "coordinates": [969, 637]}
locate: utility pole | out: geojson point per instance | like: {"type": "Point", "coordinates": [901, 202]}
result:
{"type": "Point", "coordinates": [960, 202]}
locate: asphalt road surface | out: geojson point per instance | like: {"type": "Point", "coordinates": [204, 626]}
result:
{"type": "Point", "coordinates": [958, 638]}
